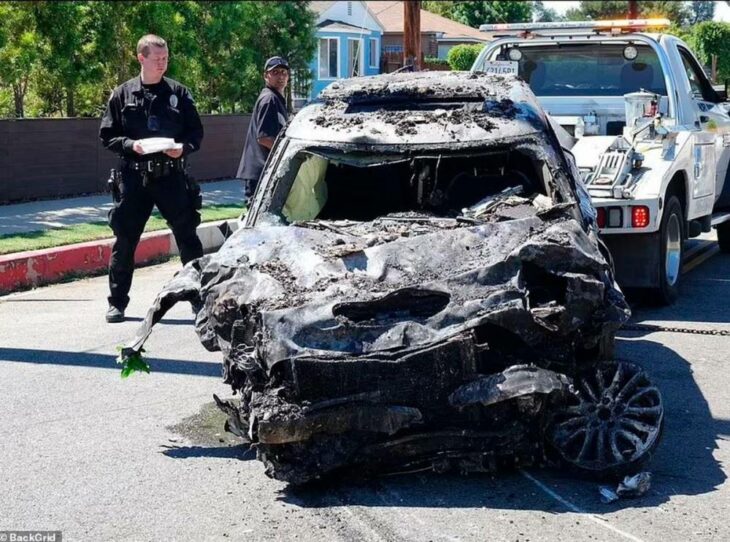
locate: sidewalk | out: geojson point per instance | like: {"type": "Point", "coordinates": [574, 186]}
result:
{"type": "Point", "coordinates": [38, 267]}
{"type": "Point", "coordinates": [43, 215]}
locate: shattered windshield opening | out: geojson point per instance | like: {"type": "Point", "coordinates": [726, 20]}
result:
{"type": "Point", "coordinates": [336, 185]}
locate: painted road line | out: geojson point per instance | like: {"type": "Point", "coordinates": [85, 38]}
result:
{"type": "Point", "coordinates": [574, 508]}
{"type": "Point", "coordinates": [690, 264]}
{"type": "Point", "coordinates": [696, 246]}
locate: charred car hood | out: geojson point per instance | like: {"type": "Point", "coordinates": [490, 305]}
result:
{"type": "Point", "coordinates": [394, 284]}
{"type": "Point", "coordinates": [415, 342]}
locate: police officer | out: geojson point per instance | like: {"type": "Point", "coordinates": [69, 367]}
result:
{"type": "Point", "coordinates": [150, 105]}
{"type": "Point", "coordinates": [268, 117]}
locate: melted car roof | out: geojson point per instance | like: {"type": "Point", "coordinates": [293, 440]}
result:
{"type": "Point", "coordinates": [420, 108]}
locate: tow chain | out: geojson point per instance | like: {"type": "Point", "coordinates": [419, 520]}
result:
{"type": "Point", "coordinates": [671, 329]}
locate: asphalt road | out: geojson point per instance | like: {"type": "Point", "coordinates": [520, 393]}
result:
{"type": "Point", "coordinates": [99, 458]}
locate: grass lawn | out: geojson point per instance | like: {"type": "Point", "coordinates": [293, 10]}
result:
{"type": "Point", "coordinates": [80, 233]}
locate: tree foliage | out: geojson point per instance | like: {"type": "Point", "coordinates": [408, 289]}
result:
{"type": "Point", "coordinates": [475, 13]}
{"type": "Point", "coordinates": [711, 38]}
{"type": "Point", "coordinates": [445, 9]}
{"type": "Point", "coordinates": [19, 52]}
{"type": "Point", "coordinates": [542, 14]}
{"type": "Point", "coordinates": [63, 57]}
{"type": "Point", "coordinates": [462, 57]}
{"type": "Point", "coordinates": [574, 14]}
{"type": "Point", "coordinates": [677, 12]}
{"type": "Point", "coordinates": [700, 11]}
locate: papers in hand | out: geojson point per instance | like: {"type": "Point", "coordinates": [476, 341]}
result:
{"type": "Point", "coordinates": [158, 144]}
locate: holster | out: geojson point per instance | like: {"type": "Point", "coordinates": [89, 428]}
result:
{"type": "Point", "coordinates": [193, 188]}
{"type": "Point", "coordinates": [115, 177]}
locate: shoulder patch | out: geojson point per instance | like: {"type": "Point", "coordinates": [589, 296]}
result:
{"type": "Point", "coordinates": [173, 100]}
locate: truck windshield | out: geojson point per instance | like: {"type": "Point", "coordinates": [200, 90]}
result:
{"type": "Point", "coordinates": [592, 69]}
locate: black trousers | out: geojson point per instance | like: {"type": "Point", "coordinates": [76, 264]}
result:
{"type": "Point", "coordinates": [129, 216]}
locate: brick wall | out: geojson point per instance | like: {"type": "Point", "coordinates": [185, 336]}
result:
{"type": "Point", "coordinates": [51, 158]}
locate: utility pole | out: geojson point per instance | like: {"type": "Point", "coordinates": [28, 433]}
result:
{"type": "Point", "coordinates": [412, 34]}
{"type": "Point", "coordinates": [633, 9]}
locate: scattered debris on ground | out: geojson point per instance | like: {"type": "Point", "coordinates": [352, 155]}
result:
{"type": "Point", "coordinates": [631, 487]}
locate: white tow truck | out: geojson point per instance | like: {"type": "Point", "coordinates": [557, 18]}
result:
{"type": "Point", "coordinates": [648, 131]}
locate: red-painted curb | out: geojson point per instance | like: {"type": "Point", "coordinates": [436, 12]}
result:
{"type": "Point", "coordinates": [37, 267]}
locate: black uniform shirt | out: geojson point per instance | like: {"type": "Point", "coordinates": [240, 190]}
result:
{"type": "Point", "coordinates": [136, 111]}
{"type": "Point", "coordinates": [269, 116]}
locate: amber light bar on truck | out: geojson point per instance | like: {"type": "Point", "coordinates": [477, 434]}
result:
{"type": "Point", "coordinates": [619, 26]}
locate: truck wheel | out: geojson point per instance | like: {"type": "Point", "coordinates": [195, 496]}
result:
{"type": "Point", "coordinates": [671, 236]}
{"type": "Point", "coordinates": [723, 236]}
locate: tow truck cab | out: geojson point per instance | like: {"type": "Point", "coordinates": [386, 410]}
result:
{"type": "Point", "coordinates": [654, 181]}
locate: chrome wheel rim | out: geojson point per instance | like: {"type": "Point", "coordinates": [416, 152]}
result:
{"type": "Point", "coordinates": [673, 256]}
{"type": "Point", "coordinates": [614, 418]}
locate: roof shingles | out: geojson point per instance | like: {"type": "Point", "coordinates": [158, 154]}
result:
{"type": "Point", "coordinates": [390, 15]}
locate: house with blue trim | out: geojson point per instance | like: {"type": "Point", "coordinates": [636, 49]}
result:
{"type": "Point", "coordinates": [348, 43]}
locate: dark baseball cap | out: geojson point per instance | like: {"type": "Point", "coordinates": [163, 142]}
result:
{"type": "Point", "coordinates": [276, 62]}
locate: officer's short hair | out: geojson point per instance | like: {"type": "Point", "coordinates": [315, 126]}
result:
{"type": "Point", "coordinates": [150, 40]}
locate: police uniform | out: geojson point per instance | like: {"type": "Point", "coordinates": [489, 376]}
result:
{"type": "Point", "coordinates": [137, 111]}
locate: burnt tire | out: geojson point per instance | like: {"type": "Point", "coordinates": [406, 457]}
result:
{"type": "Point", "coordinates": [671, 237]}
{"type": "Point", "coordinates": [723, 236]}
{"type": "Point", "coordinates": [612, 425]}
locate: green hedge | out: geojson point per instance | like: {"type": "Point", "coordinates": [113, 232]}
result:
{"type": "Point", "coordinates": [462, 57]}
{"type": "Point", "coordinates": [436, 61]}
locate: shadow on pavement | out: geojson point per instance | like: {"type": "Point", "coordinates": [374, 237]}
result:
{"type": "Point", "coordinates": [684, 463]}
{"type": "Point", "coordinates": [241, 451]}
{"type": "Point", "coordinates": [106, 361]}
{"type": "Point", "coordinates": [165, 321]}
{"type": "Point", "coordinates": [700, 300]}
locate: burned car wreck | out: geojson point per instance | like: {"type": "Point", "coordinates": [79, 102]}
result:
{"type": "Point", "coordinates": [419, 285]}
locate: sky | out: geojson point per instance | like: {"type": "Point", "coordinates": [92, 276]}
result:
{"type": "Point", "coordinates": [722, 10]}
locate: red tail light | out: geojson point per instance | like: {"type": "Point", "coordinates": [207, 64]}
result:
{"type": "Point", "coordinates": [640, 216]}
{"type": "Point", "coordinates": [601, 217]}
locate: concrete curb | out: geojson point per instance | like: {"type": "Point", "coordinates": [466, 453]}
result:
{"type": "Point", "coordinates": [38, 267]}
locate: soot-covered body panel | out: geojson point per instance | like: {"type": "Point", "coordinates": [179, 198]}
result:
{"type": "Point", "coordinates": [464, 321]}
